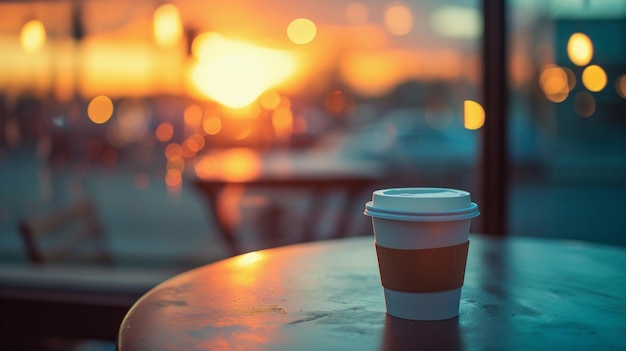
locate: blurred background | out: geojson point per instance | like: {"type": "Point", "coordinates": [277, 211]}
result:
{"type": "Point", "coordinates": [127, 101]}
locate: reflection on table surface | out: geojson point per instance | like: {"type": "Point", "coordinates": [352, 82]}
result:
{"type": "Point", "coordinates": [519, 294]}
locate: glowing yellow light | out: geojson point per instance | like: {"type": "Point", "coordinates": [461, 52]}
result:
{"type": "Point", "coordinates": [473, 115]}
{"type": "Point", "coordinates": [554, 82]}
{"type": "Point", "coordinates": [235, 74]}
{"type": "Point", "coordinates": [270, 100]}
{"type": "Point", "coordinates": [212, 125]}
{"type": "Point", "coordinates": [164, 132]}
{"type": "Point", "coordinates": [249, 258]}
{"type": "Point", "coordinates": [168, 28]}
{"type": "Point", "coordinates": [301, 31]}
{"type": "Point", "coordinates": [100, 109]}
{"type": "Point", "coordinates": [33, 36]}
{"type": "Point", "coordinates": [398, 18]}
{"type": "Point", "coordinates": [620, 86]}
{"type": "Point", "coordinates": [580, 49]}
{"type": "Point", "coordinates": [193, 116]}
{"type": "Point", "coordinates": [584, 104]}
{"type": "Point", "coordinates": [356, 13]}
{"type": "Point", "coordinates": [594, 78]}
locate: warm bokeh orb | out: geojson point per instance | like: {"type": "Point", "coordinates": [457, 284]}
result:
{"type": "Point", "coordinates": [301, 31]}
{"type": "Point", "coordinates": [100, 109]}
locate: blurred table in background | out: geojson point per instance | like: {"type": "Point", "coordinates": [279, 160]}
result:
{"type": "Point", "coordinates": [519, 294]}
{"type": "Point", "coordinates": [291, 190]}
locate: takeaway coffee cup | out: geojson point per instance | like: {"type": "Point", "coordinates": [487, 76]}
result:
{"type": "Point", "coordinates": [421, 239]}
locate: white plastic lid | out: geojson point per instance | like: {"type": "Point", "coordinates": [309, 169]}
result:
{"type": "Point", "coordinates": [421, 204]}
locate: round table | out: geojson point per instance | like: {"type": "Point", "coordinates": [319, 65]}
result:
{"type": "Point", "coordinates": [519, 294]}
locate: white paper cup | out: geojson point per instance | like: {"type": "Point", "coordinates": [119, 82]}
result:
{"type": "Point", "coordinates": [421, 237]}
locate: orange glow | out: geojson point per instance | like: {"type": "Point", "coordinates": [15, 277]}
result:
{"type": "Point", "coordinates": [580, 49]}
{"type": "Point", "coordinates": [356, 13]}
{"type": "Point", "coordinates": [594, 78]}
{"type": "Point", "coordinates": [33, 36]}
{"type": "Point", "coordinates": [237, 164]}
{"type": "Point", "coordinates": [193, 116]}
{"type": "Point", "coordinates": [100, 109]}
{"type": "Point", "coordinates": [141, 181]}
{"type": "Point", "coordinates": [270, 100]}
{"type": "Point", "coordinates": [473, 115]}
{"type": "Point", "coordinates": [301, 31]}
{"type": "Point", "coordinates": [282, 122]}
{"type": "Point", "coordinates": [212, 125]}
{"type": "Point", "coordinates": [620, 86]}
{"type": "Point", "coordinates": [168, 28]}
{"type": "Point", "coordinates": [554, 83]}
{"type": "Point", "coordinates": [173, 177]}
{"type": "Point", "coordinates": [235, 73]}
{"type": "Point", "coordinates": [374, 73]}
{"type": "Point", "coordinates": [398, 18]}
{"type": "Point", "coordinates": [173, 151]}
{"type": "Point", "coordinates": [164, 132]}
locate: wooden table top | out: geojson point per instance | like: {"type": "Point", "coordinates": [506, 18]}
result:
{"type": "Point", "coordinates": [519, 294]}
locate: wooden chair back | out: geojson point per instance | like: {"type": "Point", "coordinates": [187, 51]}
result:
{"type": "Point", "coordinates": [72, 234]}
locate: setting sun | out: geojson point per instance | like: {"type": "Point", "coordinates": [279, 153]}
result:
{"type": "Point", "coordinates": [235, 73]}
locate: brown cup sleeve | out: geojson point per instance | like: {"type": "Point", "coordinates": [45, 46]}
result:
{"type": "Point", "coordinates": [422, 270]}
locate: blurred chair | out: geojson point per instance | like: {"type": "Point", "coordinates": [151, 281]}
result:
{"type": "Point", "coordinates": [72, 234]}
{"type": "Point", "coordinates": [71, 295]}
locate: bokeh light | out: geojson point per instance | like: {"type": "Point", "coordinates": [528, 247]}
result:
{"type": "Point", "coordinates": [195, 142]}
{"type": "Point", "coordinates": [357, 13]}
{"type": "Point", "coordinates": [398, 18]}
{"type": "Point", "coordinates": [620, 86]}
{"type": "Point", "coordinates": [301, 31]}
{"type": "Point", "coordinates": [555, 83]}
{"type": "Point", "coordinates": [100, 109]}
{"type": "Point", "coordinates": [584, 104]}
{"type": "Point", "coordinates": [580, 49]}
{"type": "Point", "coordinates": [212, 125]}
{"type": "Point", "coordinates": [173, 151]}
{"type": "Point", "coordinates": [168, 27]}
{"type": "Point", "coordinates": [164, 132]}
{"type": "Point", "coordinates": [473, 115]}
{"type": "Point", "coordinates": [173, 178]}
{"type": "Point", "coordinates": [33, 36]}
{"type": "Point", "coordinates": [594, 78]}
{"type": "Point", "coordinates": [270, 100]}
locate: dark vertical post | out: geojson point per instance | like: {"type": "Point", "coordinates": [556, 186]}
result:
{"type": "Point", "coordinates": [494, 156]}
